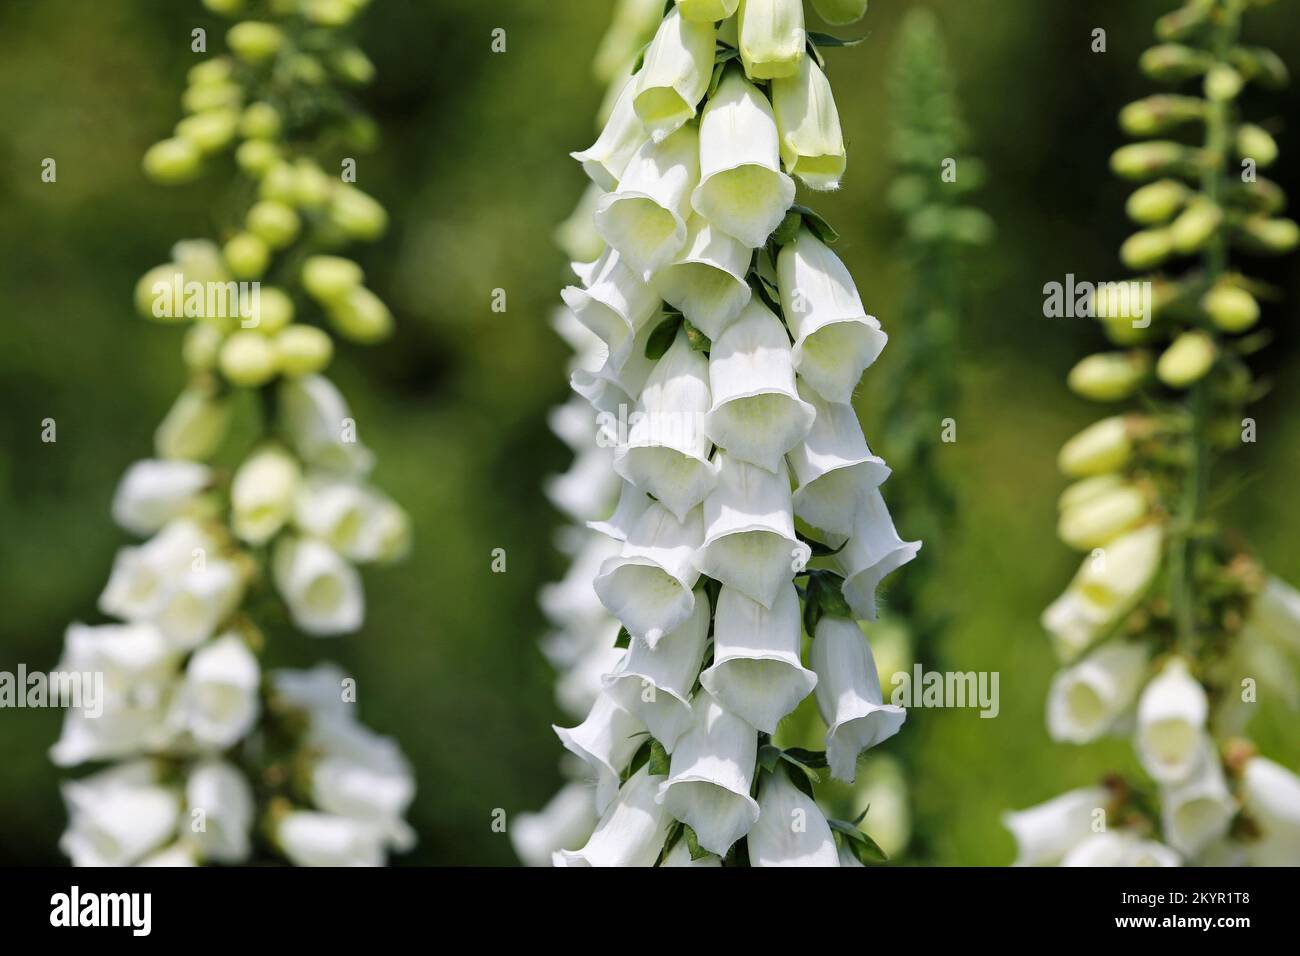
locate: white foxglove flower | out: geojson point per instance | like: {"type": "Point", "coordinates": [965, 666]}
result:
{"type": "Point", "coordinates": [812, 144]}
{"type": "Point", "coordinates": [353, 519]}
{"type": "Point", "coordinates": [615, 304]}
{"type": "Point", "coordinates": [667, 451]}
{"type": "Point", "coordinates": [645, 220]}
{"type": "Point", "coordinates": [567, 820]}
{"type": "Point", "coordinates": [584, 492]}
{"type": "Point", "coordinates": [1086, 700]}
{"type": "Point", "coordinates": [118, 816]}
{"type": "Point", "coordinates": [833, 466]}
{"type": "Point", "coordinates": [649, 585]}
{"type": "Point", "coordinates": [623, 134]}
{"type": "Point", "coordinates": [791, 830]}
{"type": "Point", "coordinates": [680, 855]}
{"type": "Point", "coordinates": [1198, 811]}
{"type": "Point", "coordinates": [874, 550]}
{"type": "Point", "coordinates": [219, 804]}
{"type": "Point", "coordinates": [198, 601]}
{"type": "Point", "coordinates": [675, 74]}
{"type": "Point", "coordinates": [711, 772]}
{"type": "Point", "coordinates": [655, 683]}
{"type": "Point", "coordinates": [138, 585]}
{"type": "Point", "coordinates": [707, 11]}
{"type": "Point", "coordinates": [572, 600]}
{"type": "Point", "coordinates": [756, 672]}
{"type": "Point", "coordinates": [772, 37]}
{"type": "Point", "coordinates": [321, 427]}
{"type": "Point", "coordinates": [849, 695]}
{"type": "Point", "coordinates": [1047, 832]}
{"type": "Point", "coordinates": [323, 839]}
{"type": "Point", "coordinates": [1171, 723]}
{"type": "Point", "coordinates": [218, 700]}
{"type": "Point", "coordinates": [262, 494]}
{"type": "Point", "coordinates": [632, 503]}
{"type": "Point", "coordinates": [1270, 794]}
{"type": "Point", "coordinates": [323, 592]}
{"type": "Point", "coordinates": [1120, 849]}
{"type": "Point", "coordinates": [363, 776]}
{"type": "Point", "coordinates": [631, 831]}
{"type": "Point", "coordinates": [742, 189]}
{"type": "Point", "coordinates": [606, 741]}
{"type": "Point", "coordinates": [153, 492]}
{"type": "Point", "coordinates": [578, 687]}
{"type": "Point", "coordinates": [611, 388]}
{"type": "Point", "coordinates": [319, 691]}
{"type": "Point", "coordinates": [1152, 853]}
{"type": "Point", "coordinates": [707, 281]}
{"type": "Point", "coordinates": [834, 338]}
{"type": "Point", "coordinates": [1275, 614]}
{"type": "Point", "coordinates": [177, 855]}
{"type": "Point", "coordinates": [749, 537]}
{"type": "Point", "coordinates": [757, 414]}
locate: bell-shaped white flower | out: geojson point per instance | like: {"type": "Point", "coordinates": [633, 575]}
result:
{"type": "Point", "coordinates": [118, 815]}
{"type": "Point", "coordinates": [631, 831]}
{"type": "Point", "coordinates": [707, 11]}
{"type": "Point", "coordinates": [812, 144]}
{"type": "Point", "coordinates": [791, 830]}
{"type": "Point", "coordinates": [612, 388]}
{"type": "Point", "coordinates": [667, 451]}
{"type": "Point", "coordinates": [606, 741]}
{"type": "Point", "coordinates": [645, 220]}
{"type": "Point", "coordinates": [632, 503]}
{"type": "Point", "coordinates": [749, 537]}
{"type": "Point", "coordinates": [834, 338]}
{"type": "Point", "coordinates": [707, 281]}
{"type": "Point", "coordinates": [583, 680]}
{"type": "Point", "coordinates": [219, 804]}
{"type": "Point", "coordinates": [363, 776]}
{"type": "Point", "coordinates": [622, 135]}
{"type": "Point", "coordinates": [1270, 794]}
{"type": "Point", "coordinates": [833, 466]}
{"type": "Point", "coordinates": [320, 425]}
{"type": "Point", "coordinates": [848, 694]}
{"type": "Point", "coordinates": [615, 304]}
{"type": "Point", "coordinates": [742, 190]}
{"type": "Point", "coordinates": [710, 775]}
{"type": "Point", "coordinates": [198, 601]}
{"type": "Point", "coordinates": [1152, 853]}
{"type": "Point", "coordinates": [1171, 723]}
{"type": "Point", "coordinates": [874, 550]}
{"type": "Point", "coordinates": [757, 414]}
{"type": "Point", "coordinates": [218, 700]}
{"type": "Point", "coordinates": [572, 600]}
{"type": "Point", "coordinates": [177, 855]}
{"type": "Point", "coordinates": [675, 74]}
{"type": "Point", "coordinates": [648, 586]}
{"type": "Point", "coordinates": [309, 838]}
{"type": "Point", "coordinates": [584, 491]}
{"type": "Point", "coordinates": [567, 820]}
{"type": "Point", "coordinates": [1113, 848]}
{"type": "Point", "coordinates": [1086, 699]}
{"type": "Point", "coordinates": [353, 519]}
{"type": "Point", "coordinates": [680, 855]}
{"type": "Point", "coordinates": [323, 592]}
{"type": "Point", "coordinates": [1198, 811]}
{"type": "Point", "coordinates": [1047, 832]}
{"type": "Point", "coordinates": [320, 691]}
{"type": "Point", "coordinates": [1275, 614]}
{"type": "Point", "coordinates": [756, 671]}
{"type": "Point", "coordinates": [143, 576]}
{"type": "Point", "coordinates": [262, 494]}
{"type": "Point", "coordinates": [153, 492]}
{"type": "Point", "coordinates": [772, 37]}
{"type": "Point", "coordinates": [655, 683]}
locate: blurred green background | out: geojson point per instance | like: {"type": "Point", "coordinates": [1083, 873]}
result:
{"type": "Point", "coordinates": [474, 170]}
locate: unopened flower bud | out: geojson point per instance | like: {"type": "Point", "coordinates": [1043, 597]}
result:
{"type": "Point", "coordinates": [279, 182]}
{"type": "Point", "coordinates": [212, 96]}
{"type": "Point", "coordinates": [210, 132]}
{"type": "Point", "coordinates": [1186, 20]}
{"type": "Point", "coordinates": [353, 66]}
{"type": "Point", "coordinates": [224, 8]}
{"type": "Point", "coordinates": [1109, 376]}
{"type": "Point", "coordinates": [1146, 249]}
{"type": "Point", "coordinates": [1195, 225]}
{"type": "Point", "coordinates": [274, 310]}
{"type": "Point", "coordinates": [200, 347]}
{"type": "Point", "coordinates": [1187, 360]}
{"type": "Point", "coordinates": [312, 187]}
{"type": "Point", "coordinates": [1173, 61]}
{"type": "Point", "coordinates": [840, 13]}
{"type": "Point", "coordinates": [247, 255]}
{"type": "Point", "coordinates": [1273, 236]}
{"type": "Point", "coordinates": [260, 121]}
{"type": "Point", "coordinates": [1156, 202]}
{"type": "Point", "coordinates": [1231, 308]}
{"type": "Point", "coordinates": [359, 216]}
{"type": "Point", "coordinates": [214, 72]}
{"type": "Point", "coordinates": [1255, 142]}
{"type": "Point", "coordinates": [1099, 521]}
{"type": "Point", "coordinates": [361, 316]}
{"type": "Point", "coordinates": [330, 13]}
{"type": "Point", "coordinates": [329, 278]}
{"type": "Point", "coordinates": [1102, 447]}
{"type": "Point", "coordinates": [255, 157]}
{"type": "Point", "coordinates": [302, 350]}
{"type": "Point", "coordinates": [1145, 160]}
{"type": "Point", "coordinates": [170, 161]}
{"type": "Point", "coordinates": [772, 37]}
{"type": "Point", "coordinates": [1159, 113]}
{"type": "Point", "coordinates": [1223, 83]}
{"type": "Point", "coordinates": [247, 359]}
{"type": "Point", "coordinates": [255, 42]}
{"type": "Point", "coordinates": [193, 427]}
{"type": "Point", "coordinates": [1087, 490]}
{"type": "Point", "coordinates": [273, 222]}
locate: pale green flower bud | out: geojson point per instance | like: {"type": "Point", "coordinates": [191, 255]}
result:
{"type": "Point", "coordinates": [256, 157]}
{"type": "Point", "coordinates": [312, 188]}
{"type": "Point", "coordinates": [248, 359]}
{"type": "Point", "coordinates": [1146, 249]}
{"type": "Point", "coordinates": [172, 161]}
{"type": "Point", "coordinates": [1145, 160]}
{"type": "Point", "coordinates": [273, 222]}
{"type": "Point", "coordinates": [255, 42]}
{"type": "Point", "coordinates": [1157, 202]}
{"type": "Point", "coordinates": [840, 13]}
{"type": "Point", "coordinates": [772, 37]}
{"type": "Point", "coordinates": [1274, 236]}
{"type": "Point", "coordinates": [260, 121]}
{"type": "Point", "coordinates": [211, 131]}
{"type": "Point", "coordinates": [1159, 113]}
{"type": "Point", "coordinates": [707, 11]}
{"type": "Point", "coordinates": [329, 278]}
{"type": "Point", "coordinates": [1223, 83]}
{"type": "Point", "coordinates": [1102, 519]}
{"type": "Point", "coordinates": [1261, 65]}
{"type": "Point", "coordinates": [224, 8]}
{"type": "Point", "coordinates": [1231, 308]}
{"type": "Point", "coordinates": [361, 316]}
{"type": "Point", "coordinates": [303, 350]}
{"type": "Point", "coordinates": [146, 291]}
{"type": "Point", "coordinates": [1172, 61]}
{"type": "Point", "coordinates": [329, 13]}
{"type": "Point", "coordinates": [1187, 359]}
{"type": "Point", "coordinates": [212, 96]}
{"type": "Point", "coordinates": [1089, 489]}
{"type": "Point", "coordinates": [262, 494]}
{"type": "Point", "coordinates": [1101, 447]}
{"type": "Point", "coordinates": [247, 256]}
{"type": "Point", "coordinates": [1109, 376]}
{"type": "Point", "coordinates": [193, 427]}
{"type": "Point", "coordinates": [308, 70]}
{"type": "Point", "coordinates": [200, 347]}
{"type": "Point", "coordinates": [353, 66]}
{"type": "Point", "coordinates": [274, 310]}
{"type": "Point", "coordinates": [279, 182]}
{"type": "Point", "coordinates": [1185, 21]}
{"type": "Point", "coordinates": [1130, 563]}
{"type": "Point", "coordinates": [812, 144]}
{"type": "Point", "coordinates": [1255, 142]}
{"type": "Point", "coordinates": [1195, 226]}
{"type": "Point", "coordinates": [359, 216]}
{"type": "Point", "coordinates": [214, 72]}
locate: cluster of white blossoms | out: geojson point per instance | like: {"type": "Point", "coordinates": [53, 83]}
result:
{"type": "Point", "coordinates": [1171, 633]}
{"type": "Point", "coordinates": [210, 756]}
{"type": "Point", "coordinates": [719, 343]}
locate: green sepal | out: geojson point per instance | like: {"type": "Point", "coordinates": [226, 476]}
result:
{"type": "Point", "coordinates": [658, 760]}
{"type": "Point", "coordinates": [824, 594]}
{"type": "Point", "coordinates": [661, 339]}
{"type": "Point", "coordinates": [860, 845]}
{"type": "Point", "coordinates": [624, 639]}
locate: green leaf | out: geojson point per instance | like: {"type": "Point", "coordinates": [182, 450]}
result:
{"type": "Point", "coordinates": [809, 772]}
{"type": "Point", "coordinates": [693, 844]}
{"type": "Point", "coordinates": [788, 231]}
{"type": "Point", "coordinates": [824, 594]}
{"type": "Point", "coordinates": [863, 847]}
{"type": "Point", "coordinates": [800, 778]}
{"type": "Point", "coordinates": [661, 339]}
{"type": "Point", "coordinates": [624, 639]}
{"type": "Point", "coordinates": [658, 760]}
{"type": "Point", "coordinates": [768, 756]}
{"type": "Point", "coordinates": [820, 227]}
{"type": "Point", "coordinates": [670, 841]}
{"type": "Point", "coordinates": [830, 41]}
{"type": "Point", "coordinates": [807, 758]}
{"type": "Point", "coordinates": [638, 760]}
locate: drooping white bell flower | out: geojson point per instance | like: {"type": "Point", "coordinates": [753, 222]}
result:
{"type": "Point", "coordinates": [323, 592]}
{"type": "Point", "coordinates": [363, 776]}
{"type": "Point", "coordinates": [1275, 614]}
{"type": "Point", "coordinates": [198, 601]}
{"type": "Point", "coordinates": [791, 830]}
{"type": "Point", "coordinates": [874, 550]}
{"type": "Point", "coordinates": [655, 683]}
{"type": "Point", "coordinates": [262, 494]}
{"type": "Point", "coordinates": [615, 304]}
{"type": "Point", "coordinates": [309, 838]}
{"type": "Point", "coordinates": [632, 503]}
{"type": "Point", "coordinates": [1117, 848]}
{"type": "Point", "coordinates": [707, 280]}
{"type": "Point", "coordinates": [749, 536]}
{"type": "Point", "coordinates": [606, 741]}
{"type": "Point", "coordinates": [612, 389]}
{"type": "Point", "coordinates": [622, 135]}
{"type": "Point", "coordinates": [834, 338]}
{"type": "Point", "coordinates": [572, 600]}
{"type": "Point", "coordinates": [118, 815]}
{"type": "Point", "coordinates": [153, 492]}
{"type": "Point", "coordinates": [742, 190]}
{"type": "Point", "coordinates": [772, 37]}
{"type": "Point", "coordinates": [1152, 853]}
{"type": "Point", "coordinates": [1171, 723]}
{"type": "Point", "coordinates": [812, 144]}
{"type": "Point", "coordinates": [142, 576]}
{"type": "Point", "coordinates": [680, 855]}
{"type": "Point", "coordinates": [757, 414]}
{"type": "Point", "coordinates": [350, 517]}
{"type": "Point", "coordinates": [586, 489]}
{"type": "Point", "coordinates": [675, 74]}
{"type": "Point", "coordinates": [320, 691]}
{"type": "Point", "coordinates": [707, 11]}
{"type": "Point", "coordinates": [177, 855]}
{"type": "Point", "coordinates": [321, 427]}
{"type": "Point", "coordinates": [583, 680]}
{"type": "Point", "coordinates": [218, 700]}
{"type": "Point", "coordinates": [631, 831]}
{"type": "Point", "coordinates": [1047, 832]}
{"type": "Point", "coordinates": [848, 695]}
{"type": "Point", "coordinates": [567, 820]}
{"type": "Point", "coordinates": [219, 811]}
{"type": "Point", "coordinates": [1271, 795]}
{"type": "Point", "coordinates": [1086, 699]}
{"type": "Point", "coordinates": [710, 775]}
{"type": "Point", "coordinates": [645, 220]}
{"type": "Point", "coordinates": [833, 466]}
{"type": "Point", "coordinates": [667, 451]}
{"type": "Point", "coordinates": [648, 586]}
{"type": "Point", "coordinates": [756, 671]}
{"type": "Point", "coordinates": [1198, 810]}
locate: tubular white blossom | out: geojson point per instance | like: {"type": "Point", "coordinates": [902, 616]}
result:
{"type": "Point", "coordinates": [791, 830]}
{"type": "Point", "coordinates": [1271, 796]}
{"type": "Point", "coordinates": [218, 700]}
{"type": "Point", "coordinates": [153, 492]}
{"type": "Point", "coordinates": [772, 37]}
{"type": "Point", "coordinates": [631, 831]}
{"type": "Point", "coordinates": [632, 503]}
{"type": "Point", "coordinates": [1047, 832]}
{"type": "Point", "coordinates": [321, 427]}
{"type": "Point", "coordinates": [1197, 811]}
{"type": "Point", "coordinates": [675, 75]}
{"type": "Point", "coordinates": [605, 741]}
{"type": "Point", "coordinates": [707, 11]}
{"type": "Point", "coordinates": [322, 590]}
{"type": "Point", "coordinates": [1171, 723]}
{"type": "Point", "coordinates": [707, 280]}
{"type": "Point", "coordinates": [1086, 700]}
{"type": "Point", "coordinates": [363, 776]}
{"type": "Point", "coordinates": [812, 144]}
{"type": "Point", "coordinates": [623, 134]}
{"type": "Point", "coordinates": [262, 494]}
{"type": "Point", "coordinates": [615, 305]}
{"type": "Point", "coordinates": [224, 801]}
{"type": "Point", "coordinates": [309, 838]}
{"type": "Point", "coordinates": [567, 820]}
{"type": "Point", "coordinates": [118, 815]}
{"type": "Point", "coordinates": [874, 550]}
